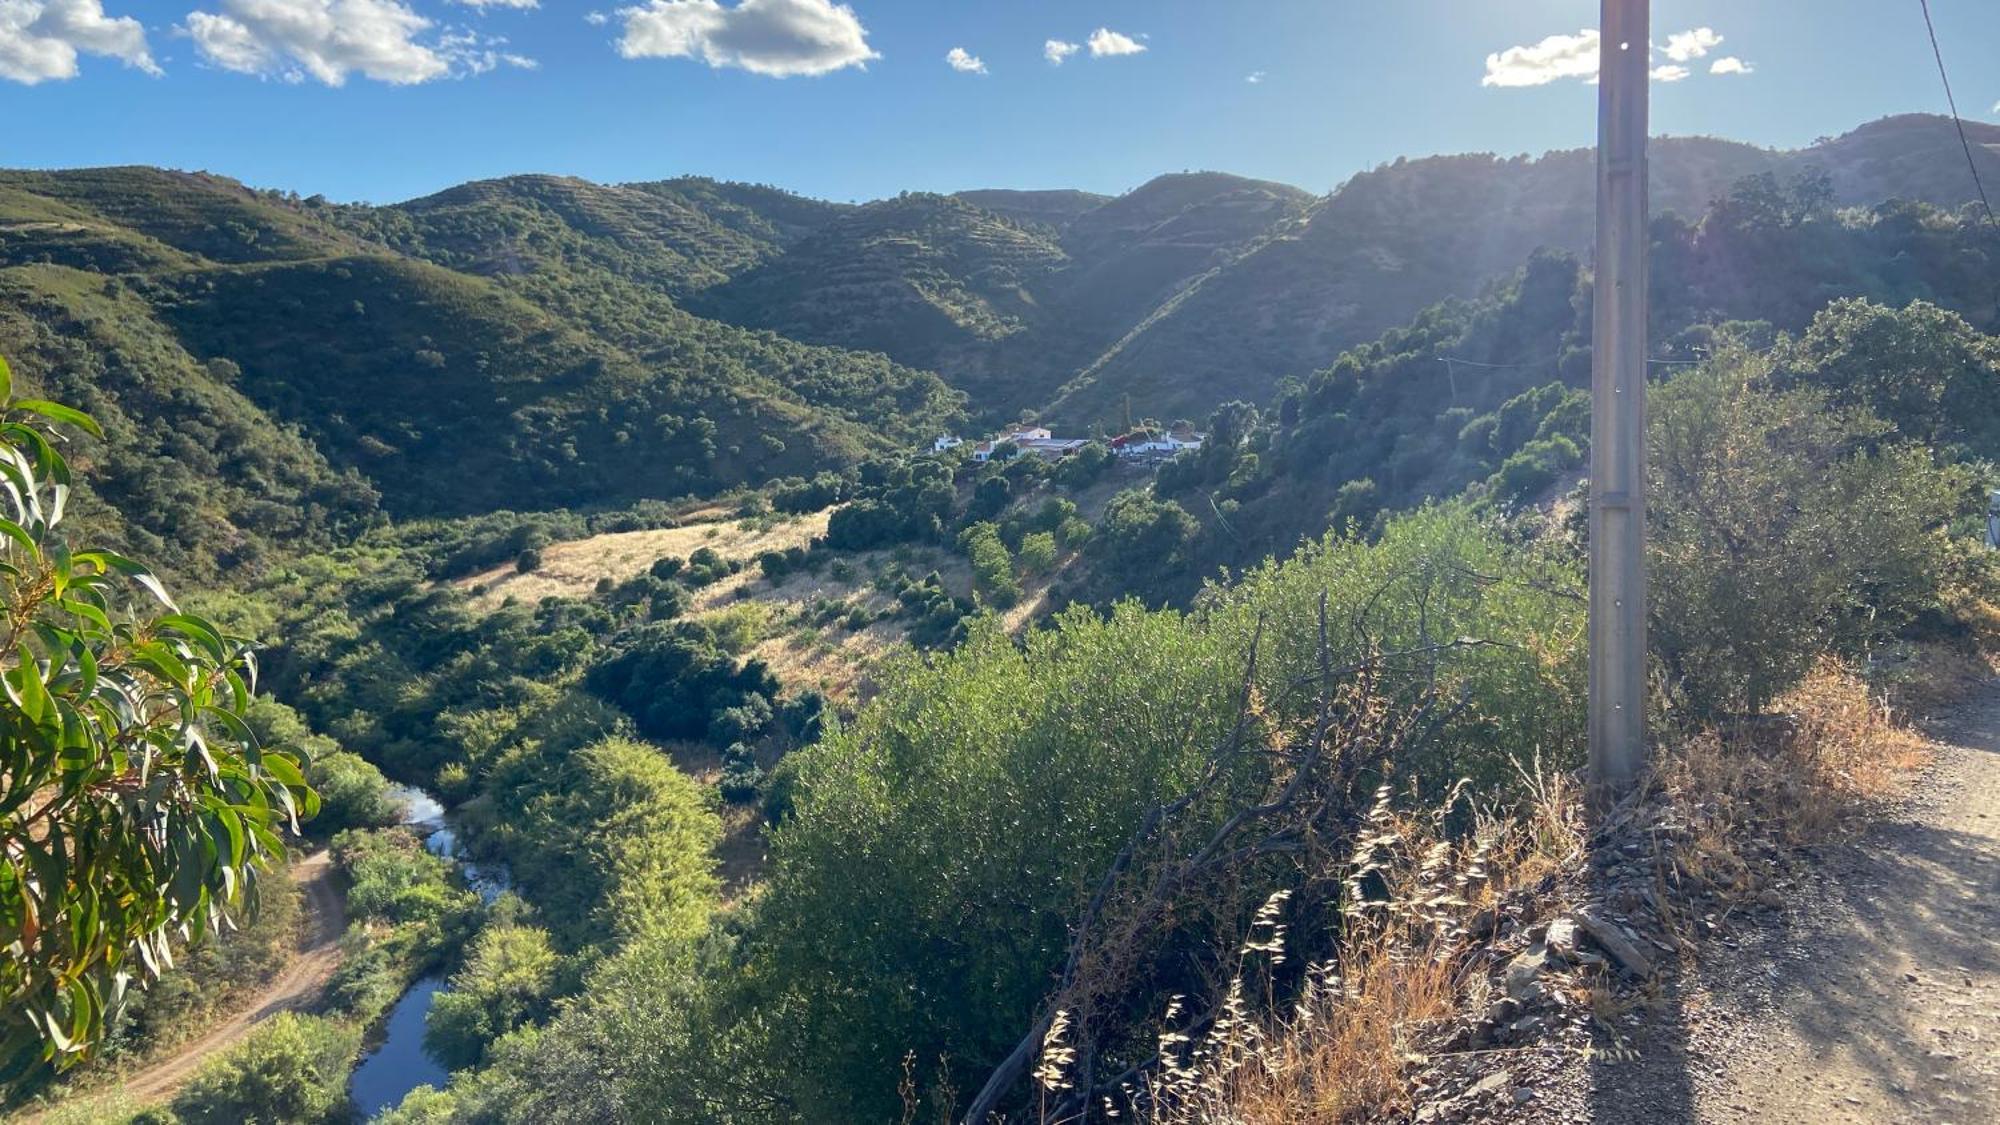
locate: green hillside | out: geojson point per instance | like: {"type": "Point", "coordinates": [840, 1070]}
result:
{"type": "Point", "coordinates": [678, 236]}
{"type": "Point", "coordinates": [1489, 393]}
{"type": "Point", "coordinates": [1052, 209]}
{"type": "Point", "coordinates": [1391, 241]}
{"type": "Point", "coordinates": [929, 279]}
{"type": "Point", "coordinates": [1003, 303]}
{"type": "Point", "coordinates": [353, 368]}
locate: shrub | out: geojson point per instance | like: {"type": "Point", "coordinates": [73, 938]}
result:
{"type": "Point", "coordinates": [992, 568]}
{"type": "Point", "coordinates": [529, 560]}
{"type": "Point", "coordinates": [741, 779]}
{"type": "Point", "coordinates": [622, 845]}
{"type": "Point", "coordinates": [1781, 527]}
{"type": "Point", "coordinates": [986, 789]}
{"type": "Point", "coordinates": [290, 1071]}
{"type": "Point", "coordinates": [507, 980]}
{"type": "Point", "coordinates": [1038, 553]}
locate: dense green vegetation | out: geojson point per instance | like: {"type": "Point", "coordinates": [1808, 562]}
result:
{"type": "Point", "coordinates": [273, 370]}
{"type": "Point", "coordinates": [1395, 240]}
{"type": "Point", "coordinates": [1488, 394]}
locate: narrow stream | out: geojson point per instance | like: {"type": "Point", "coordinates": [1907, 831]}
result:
{"type": "Point", "coordinates": [400, 1063]}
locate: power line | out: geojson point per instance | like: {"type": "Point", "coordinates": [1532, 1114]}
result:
{"type": "Point", "coordinates": [1971, 164]}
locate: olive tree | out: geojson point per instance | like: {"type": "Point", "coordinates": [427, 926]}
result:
{"type": "Point", "coordinates": [136, 805]}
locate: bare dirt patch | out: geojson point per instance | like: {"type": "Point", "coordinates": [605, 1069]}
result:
{"type": "Point", "coordinates": [572, 569]}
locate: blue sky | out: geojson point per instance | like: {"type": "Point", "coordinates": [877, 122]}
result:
{"type": "Point", "coordinates": [388, 99]}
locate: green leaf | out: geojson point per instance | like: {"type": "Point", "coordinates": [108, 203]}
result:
{"type": "Point", "coordinates": [198, 631]}
{"type": "Point", "coordinates": [6, 380]}
{"type": "Point", "coordinates": [112, 562]}
{"type": "Point", "coordinates": [57, 412]}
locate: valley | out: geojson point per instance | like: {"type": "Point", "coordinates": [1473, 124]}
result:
{"type": "Point", "coordinates": [614, 517]}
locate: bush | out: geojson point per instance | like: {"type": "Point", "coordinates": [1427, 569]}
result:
{"type": "Point", "coordinates": [1145, 545]}
{"type": "Point", "coordinates": [1781, 527]}
{"type": "Point", "coordinates": [621, 845]}
{"type": "Point", "coordinates": [507, 981]}
{"type": "Point", "coordinates": [290, 1071]}
{"type": "Point", "coordinates": [986, 789]}
{"type": "Point", "coordinates": [674, 680]}
{"type": "Point", "coordinates": [741, 723]}
{"type": "Point", "coordinates": [1038, 553]}
{"type": "Point", "coordinates": [741, 777]}
{"type": "Point", "coordinates": [529, 560]}
{"type": "Point", "coordinates": [992, 568]}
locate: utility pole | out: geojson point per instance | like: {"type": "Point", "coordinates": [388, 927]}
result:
{"type": "Point", "coordinates": [1618, 405]}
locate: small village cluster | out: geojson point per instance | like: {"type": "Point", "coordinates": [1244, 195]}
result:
{"type": "Point", "coordinates": [1144, 444]}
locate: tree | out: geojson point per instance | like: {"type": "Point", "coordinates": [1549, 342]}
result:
{"type": "Point", "coordinates": [1142, 544]}
{"type": "Point", "coordinates": [137, 803]}
{"type": "Point", "coordinates": [992, 567]}
{"type": "Point", "coordinates": [1922, 368]}
{"type": "Point", "coordinates": [1038, 552]}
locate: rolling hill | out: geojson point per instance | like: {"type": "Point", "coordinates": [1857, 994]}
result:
{"type": "Point", "coordinates": [1392, 241]}
{"type": "Point", "coordinates": [540, 341]}
{"type": "Point", "coordinates": [326, 363]}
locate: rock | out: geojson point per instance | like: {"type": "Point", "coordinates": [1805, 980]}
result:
{"type": "Point", "coordinates": [1613, 941]}
{"type": "Point", "coordinates": [1523, 1095]}
{"type": "Point", "coordinates": [1493, 1083]}
{"type": "Point", "coordinates": [1561, 938]}
{"type": "Point", "coordinates": [1523, 977]}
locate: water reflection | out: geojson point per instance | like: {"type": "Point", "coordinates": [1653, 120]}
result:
{"type": "Point", "coordinates": [399, 1065]}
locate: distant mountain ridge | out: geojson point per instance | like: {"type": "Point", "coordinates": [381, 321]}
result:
{"type": "Point", "coordinates": [538, 341]}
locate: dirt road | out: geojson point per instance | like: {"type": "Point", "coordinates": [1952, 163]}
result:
{"type": "Point", "coordinates": [1890, 1012]}
{"type": "Point", "coordinates": [297, 986]}
{"type": "Point", "coordinates": [1874, 997]}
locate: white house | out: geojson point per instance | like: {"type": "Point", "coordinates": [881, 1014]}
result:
{"type": "Point", "coordinates": [948, 441]}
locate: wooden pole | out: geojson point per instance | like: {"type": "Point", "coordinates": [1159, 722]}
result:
{"type": "Point", "coordinates": [1618, 405]}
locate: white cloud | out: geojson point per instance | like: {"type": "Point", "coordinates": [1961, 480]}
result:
{"type": "Point", "coordinates": [1686, 45]}
{"type": "Point", "coordinates": [327, 40]}
{"type": "Point", "coordinates": [1538, 64]}
{"type": "Point", "coordinates": [1255, 78]}
{"type": "Point", "coordinates": [482, 5]}
{"type": "Point", "coordinates": [596, 19]}
{"type": "Point", "coordinates": [1105, 41]}
{"type": "Point", "coordinates": [779, 38]}
{"type": "Point", "coordinates": [469, 53]}
{"type": "Point", "coordinates": [1575, 56]}
{"type": "Point", "coordinates": [1056, 50]}
{"type": "Point", "coordinates": [40, 39]}
{"type": "Point", "coordinates": [965, 62]}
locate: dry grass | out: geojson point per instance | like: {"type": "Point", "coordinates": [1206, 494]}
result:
{"type": "Point", "coordinates": [1837, 755]}
{"type": "Point", "coordinates": [572, 569]}
{"type": "Point", "coordinates": [1345, 1048]}
{"type": "Point", "coordinates": [1934, 678]}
